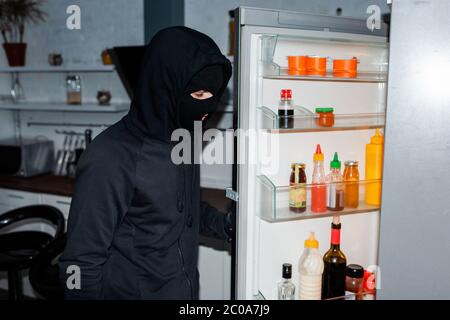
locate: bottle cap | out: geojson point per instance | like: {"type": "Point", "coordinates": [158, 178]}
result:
{"type": "Point", "coordinates": [377, 138]}
{"type": "Point", "coordinates": [287, 270]}
{"type": "Point", "coordinates": [300, 165]}
{"type": "Point", "coordinates": [318, 156]}
{"type": "Point", "coordinates": [355, 271]}
{"type": "Point", "coordinates": [335, 164]}
{"type": "Point", "coordinates": [311, 242]}
{"type": "Point", "coordinates": [324, 110]}
{"type": "Point", "coordinates": [351, 163]}
{"type": "Point", "coordinates": [286, 94]}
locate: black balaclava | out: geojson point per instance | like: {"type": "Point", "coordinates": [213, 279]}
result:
{"type": "Point", "coordinates": [210, 78]}
{"type": "Point", "coordinates": [174, 60]}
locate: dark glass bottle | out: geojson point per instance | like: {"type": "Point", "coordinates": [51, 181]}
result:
{"type": "Point", "coordinates": [335, 263]}
{"type": "Point", "coordinates": [286, 110]}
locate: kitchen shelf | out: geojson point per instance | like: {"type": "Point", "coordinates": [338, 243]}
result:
{"type": "Point", "coordinates": [305, 121]}
{"type": "Point", "coordinates": [52, 106]}
{"type": "Point", "coordinates": [274, 201]}
{"type": "Point", "coordinates": [59, 69]}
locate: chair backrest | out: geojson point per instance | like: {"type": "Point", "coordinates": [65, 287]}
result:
{"type": "Point", "coordinates": [44, 212]}
{"type": "Point", "coordinates": [44, 271]}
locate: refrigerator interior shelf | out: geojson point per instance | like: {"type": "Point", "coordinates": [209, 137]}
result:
{"type": "Point", "coordinates": [304, 120]}
{"type": "Point", "coordinates": [278, 73]}
{"type": "Point", "coordinates": [273, 201]}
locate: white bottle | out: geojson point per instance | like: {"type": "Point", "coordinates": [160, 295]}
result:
{"type": "Point", "coordinates": [311, 269]}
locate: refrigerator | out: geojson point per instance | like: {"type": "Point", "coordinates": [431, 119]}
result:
{"type": "Point", "coordinates": [400, 89]}
{"type": "Point", "coordinates": [268, 234]}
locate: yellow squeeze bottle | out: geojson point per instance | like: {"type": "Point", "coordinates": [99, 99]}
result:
{"type": "Point", "coordinates": [374, 168]}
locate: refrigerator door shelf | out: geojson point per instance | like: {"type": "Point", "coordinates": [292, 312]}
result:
{"type": "Point", "coordinates": [273, 201]}
{"type": "Point", "coordinates": [304, 120]}
{"type": "Point", "coordinates": [280, 73]}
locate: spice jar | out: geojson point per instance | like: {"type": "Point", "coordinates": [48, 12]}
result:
{"type": "Point", "coordinates": [73, 84]}
{"type": "Point", "coordinates": [325, 117]}
{"type": "Point", "coordinates": [354, 281]}
{"type": "Point", "coordinates": [297, 191]}
{"type": "Point", "coordinates": [351, 179]}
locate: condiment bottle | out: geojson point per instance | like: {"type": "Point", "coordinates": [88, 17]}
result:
{"type": "Point", "coordinates": [286, 110]}
{"type": "Point", "coordinates": [319, 188]}
{"type": "Point", "coordinates": [335, 262]}
{"type": "Point", "coordinates": [297, 192]}
{"type": "Point", "coordinates": [286, 289]}
{"type": "Point", "coordinates": [354, 281]}
{"type": "Point", "coordinates": [335, 197]}
{"type": "Point", "coordinates": [374, 168]}
{"type": "Point", "coordinates": [351, 179]}
{"type": "Point", "coordinates": [311, 268]}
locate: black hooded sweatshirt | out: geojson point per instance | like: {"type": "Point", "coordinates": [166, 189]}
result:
{"type": "Point", "coordinates": [135, 217]}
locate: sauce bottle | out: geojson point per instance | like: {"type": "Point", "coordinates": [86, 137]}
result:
{"type": "Point", "coordinates": [286, 289]}
{"type": "Point", "coordinates": [285, 110]}
{"type": "Point", "coordinates": [374, 169]}
{"type": "Point", "coordinates": [311, 268]}
{"type": "Point", "coordinates": [335, 197]}
{"type": "Point", "coordinates": [318, 192]}
{"type": "Point", "coordinates": [335, 263]}
{"type": "Point", "coordinates": [351, 179]}
{"type": "Point", "coordinates": [297, 191]}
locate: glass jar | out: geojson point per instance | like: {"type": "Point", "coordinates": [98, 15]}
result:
{"type": "Point", "coordinates": [325, 117]}
{"type": "Point", "coordinates": [73, 84]}
{"type": "Point", "coordinates": [297, 191]}
{"type": "Point", "coordinates": [354, 281]}
{"type": "Point", "coordinates": [351, 179]}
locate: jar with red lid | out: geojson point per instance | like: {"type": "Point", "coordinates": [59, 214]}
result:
{"type": "Point", "coordinates": [325, 117]}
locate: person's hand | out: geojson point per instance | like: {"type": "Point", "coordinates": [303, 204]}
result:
{"type": "Point", "coordinates": [228, 225]}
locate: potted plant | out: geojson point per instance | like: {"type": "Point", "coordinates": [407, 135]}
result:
{"type": "Point", "coordinates": [14, 15]}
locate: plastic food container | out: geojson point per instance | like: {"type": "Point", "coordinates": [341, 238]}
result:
{"type": "Point", "coordinates": [297, 65]}
{"type": "Point", "coordinates": [325, 117]}
{"type": "Point", "coordinates": [345, 68]}
{"type": "Point", "coordinates": [316, 66]}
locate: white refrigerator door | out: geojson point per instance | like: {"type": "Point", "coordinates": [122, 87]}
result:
{"type": "Point", "coordinates": [265, 38]}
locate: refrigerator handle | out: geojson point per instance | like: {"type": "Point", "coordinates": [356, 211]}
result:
{"type": "Point", "coordinates": [231, 194]}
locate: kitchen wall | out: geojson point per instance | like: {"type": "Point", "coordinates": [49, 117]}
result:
{"type": "Point", "coordinates": [104, 23]}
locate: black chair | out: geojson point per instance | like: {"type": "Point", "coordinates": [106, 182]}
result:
{"type": "Point", "coordinates": [44, 271]}
{"type": "Point", "coordinates": [17, 249]}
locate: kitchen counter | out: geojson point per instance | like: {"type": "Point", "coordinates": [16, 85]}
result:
{"type": "Point", "coordinates": [49, 184]}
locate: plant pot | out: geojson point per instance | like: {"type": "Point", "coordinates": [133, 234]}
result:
{"type": "Point", "coordinates": [15, 52]}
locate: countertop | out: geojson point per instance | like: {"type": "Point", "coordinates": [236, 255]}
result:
{"type": "Point", "coordinates": [49, 184]}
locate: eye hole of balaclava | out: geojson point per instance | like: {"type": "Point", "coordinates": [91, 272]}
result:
{"type": "Point", "coordinates": [191, 109]}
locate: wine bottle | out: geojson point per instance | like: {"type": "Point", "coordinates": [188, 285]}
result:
{"type": "Point", "coordinates": [335, 263]}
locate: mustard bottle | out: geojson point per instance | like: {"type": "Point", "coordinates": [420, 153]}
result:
{"type": "Point", "coordinates": [374, 169]}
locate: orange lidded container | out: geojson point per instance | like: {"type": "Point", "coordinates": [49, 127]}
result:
{"type": "Point", "coordinates": [325, 117]}
{"type": "Point", "coordinates": [345, 68]}
{"type": "Point", "coordinates": [316, 66]}
{"type": "Point", "coordinates": [297, 65]}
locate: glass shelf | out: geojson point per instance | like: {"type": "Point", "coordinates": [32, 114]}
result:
{"type": "Point", "coordinates": [273, 203]}
{"type": "Point", "coordinates": [305, 121]}
{"type": "Point", "coordinates": [278, 73]}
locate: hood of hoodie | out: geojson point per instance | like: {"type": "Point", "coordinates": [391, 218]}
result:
{"type": "Point", "coordinates": [172, 58]}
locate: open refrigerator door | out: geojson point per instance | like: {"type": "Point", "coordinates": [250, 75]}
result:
{"type": "Point", "coordinates": [268, 232]}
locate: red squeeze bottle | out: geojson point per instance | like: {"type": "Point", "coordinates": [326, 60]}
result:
{"type": "Point", "coordinates": [319, 192]}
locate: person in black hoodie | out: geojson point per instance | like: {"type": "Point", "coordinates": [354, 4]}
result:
{"type": "Point", "coordinates": [135, 217]}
